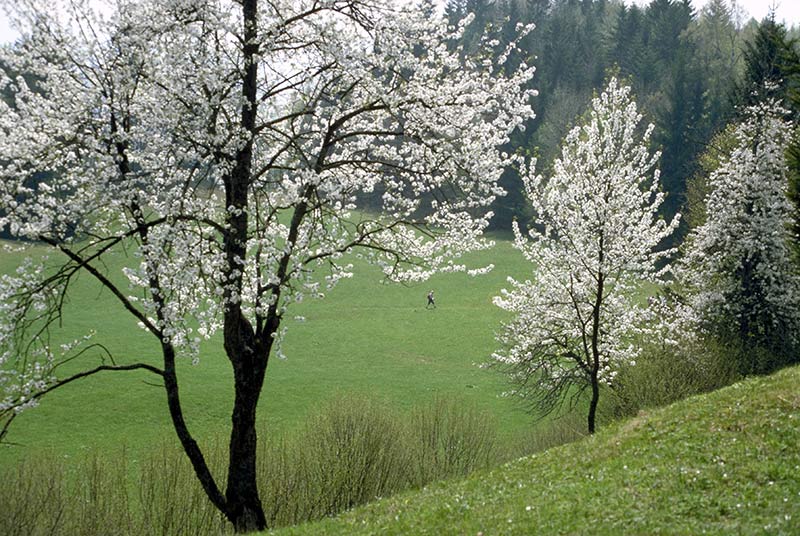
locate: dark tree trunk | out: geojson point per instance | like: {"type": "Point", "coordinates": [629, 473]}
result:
{"type": "Point", "coordinates": [594, 368]}
{"type": "Point", "coordinates": [242, 345]}
{"type": "Point", "coordinates": [188, 443]}
{"type": "Point", "coordinates": [593, 403]}
{"type": "Point", "coordinates": [243, 502]}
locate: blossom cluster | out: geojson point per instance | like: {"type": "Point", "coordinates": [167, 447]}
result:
{"type": "Point", "coordinates": [126, 133]}
{"type": "Point", "coordinates": [594, 243]}
{"type": "Point", "coordinates": [738, 272]}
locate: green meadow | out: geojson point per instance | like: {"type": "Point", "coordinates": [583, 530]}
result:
{"type": "Point", "coordinates": [102, 453]}
{"type": "Point", "coordinates": [723, 462]}
{"type": "Point", "coordinates": [367, 337]}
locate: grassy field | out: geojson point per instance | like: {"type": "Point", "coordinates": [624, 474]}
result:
{"type": "Point", "coordinates": [366, 337]}
{"type": "Point", "coordinates": [726, 462]}
{"type": "Point", "coordinates": [723, 463]}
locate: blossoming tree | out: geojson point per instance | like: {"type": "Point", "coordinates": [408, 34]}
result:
{"type": "Point", "coordinates": [738, 274]}
{"type": "Point", "coordinates": [227, 145]}
{"type": "Point", "coordinates": [595, 244]}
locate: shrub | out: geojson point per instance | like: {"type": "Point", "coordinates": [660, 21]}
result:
{"type": "Point", "coordinates": [663, 375]}
{"type": "Point", "coordinates": [171, 500]}
{"type": "Point", "coordinates": [447, 438]}
{"type": "Point", "coordinates": [559, 430]}
{"type": "Point", "coordinates": [32, 498]}
{"type": "Point", "coordinates": [40, 496]}
{"type": "Point", "coordinates": [350, 452]}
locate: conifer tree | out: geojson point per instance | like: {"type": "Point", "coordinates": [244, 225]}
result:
{"type": "Point", "coordinates": [772, 66]}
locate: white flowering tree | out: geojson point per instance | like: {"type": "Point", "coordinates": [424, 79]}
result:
{"type": "Point", "coordinates": [595, 243]}
{"type": "Point", "coordinates": [741, 283]}
{"type": "Point", "coordinates": [226, 144]}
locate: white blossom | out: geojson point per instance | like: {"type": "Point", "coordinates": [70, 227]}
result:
{"type": "Point", "coordinates": [738, 274]}
{"type": "Point", "coordinates": [136, 118]}
{"type": "Point", "coordinates": [594, 242]}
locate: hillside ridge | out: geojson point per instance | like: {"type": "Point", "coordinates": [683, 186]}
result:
{"type": "Point", "coordinates": [721, 462]}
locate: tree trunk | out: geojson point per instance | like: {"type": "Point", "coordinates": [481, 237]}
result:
{"type": "Point", "coordinates": [595, 358]}
{"type": "Point", "coordinates": [249, 360]}
{"type": "Point", "coordinates": [188, 443]}
{"type": "Point", "coordinates": [247, 356]}
{"type": "Point", "coordinates": [244, 506]}
{"type": "Point", "coordinates": [593, 403]}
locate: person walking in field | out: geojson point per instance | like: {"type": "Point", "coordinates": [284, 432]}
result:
{"type": "Point", "coordinates": [431, 301]}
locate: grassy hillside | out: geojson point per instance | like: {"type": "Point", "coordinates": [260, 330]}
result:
{"type": "Point", "coordinates": [365, 337]}
{"type": "Point", "coordinates": [723, 463]}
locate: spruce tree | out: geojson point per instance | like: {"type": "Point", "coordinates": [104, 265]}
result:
{"type": "Point", "coordinates": [772, 71]}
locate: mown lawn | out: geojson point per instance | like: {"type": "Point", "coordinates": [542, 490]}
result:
{"type": "Point", "coordinates": [723, 463]}
{"type": "Point", "coordinates": [366, 336]}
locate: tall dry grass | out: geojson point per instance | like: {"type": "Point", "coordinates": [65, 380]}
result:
{"type": "Point", "coordinates": [350, 452]}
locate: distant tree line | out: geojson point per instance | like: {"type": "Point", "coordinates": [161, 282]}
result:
{"type": "Point", "coordinates": [689, 68]}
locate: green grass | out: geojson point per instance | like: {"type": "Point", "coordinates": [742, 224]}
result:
{"type": "Point", "coordinates": [366, 336]}
{"type": "Point", "coordinates": [727, 462]}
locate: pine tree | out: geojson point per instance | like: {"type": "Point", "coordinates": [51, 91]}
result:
{"type": "Point", "coordinates": [627, 41]}
{"type": "Point", "coordinates": [772, 66]}
{"type": "Point", "coordinates": [679, 107]}
{"type": "Point", "coordinates": [719, 57]}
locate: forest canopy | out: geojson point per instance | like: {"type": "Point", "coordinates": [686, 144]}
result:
{"type": "Point", "coordinates": [689, 67]}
